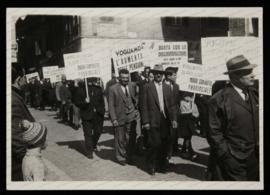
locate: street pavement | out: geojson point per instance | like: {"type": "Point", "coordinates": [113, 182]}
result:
{"type": "Point", "coordinates": [64, 157]}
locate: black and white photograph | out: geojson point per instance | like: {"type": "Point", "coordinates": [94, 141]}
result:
{"type": "Point", "coordinates": [134, 98]}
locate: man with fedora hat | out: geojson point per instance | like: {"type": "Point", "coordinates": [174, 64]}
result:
{"type": "Point", "coordinates": [233, 124]}
{"type": "Point", "coordinates": [159, 113]}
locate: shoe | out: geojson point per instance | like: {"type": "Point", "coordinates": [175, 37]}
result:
{"type": "Point", "coordinates": [130, 162]}
{"type": "Point", "coordinates": [123, 163]}
{"type": "Point", "coordinates": [97, 149]}
{"type": "Point", "coordinates": [89, 156]}
{"type": "Point", "coordinates": [152, 171]}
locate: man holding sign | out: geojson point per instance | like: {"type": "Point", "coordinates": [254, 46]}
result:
{"type": "Point", "coordinates": [234, 124]}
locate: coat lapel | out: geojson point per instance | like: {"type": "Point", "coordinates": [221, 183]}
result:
{"type": "Point", "coordinates": [238, 99]}
{"type": "Point", "coordinates": [154, 92]}
{"type": "Point", "coordinates": [120, 91]}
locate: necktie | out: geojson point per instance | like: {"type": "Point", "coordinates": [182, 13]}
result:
{"type": "Point", "coordinates": [126, 92]}
{"type": "Point", "coordinates": [245, 92]}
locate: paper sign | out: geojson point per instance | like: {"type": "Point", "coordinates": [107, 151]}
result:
{"type": "Point", "coordinates": [192, 78]}
{"type": "Point", "coordinates": [130, 57]}
{"type": "Point", "coordinates": [32, 76]}
{"type": "Point", "coordinates": [218, 50]}
{"type": "Point", "coordinates": [48, 71]}
{"type": "Point", "coordinates": [57, 74]}
{"type": "Point", "coordinates": [82, 65]}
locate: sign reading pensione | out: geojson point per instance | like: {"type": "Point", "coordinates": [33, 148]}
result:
{"type": "Point", "coordinates": [82, 65]}
{"type": "Point", "coordinates": [192, 78]}
{"type": "Point", "coordinates": [129, 56]}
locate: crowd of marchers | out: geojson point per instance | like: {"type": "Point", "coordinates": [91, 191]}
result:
{"type": "Point", "coordinates": [149, 113]}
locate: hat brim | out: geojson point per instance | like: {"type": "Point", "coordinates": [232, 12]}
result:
{"type": "Point", "coordinates": [157, 71]}
{"type": "Point", "coordinates": [251, 66]}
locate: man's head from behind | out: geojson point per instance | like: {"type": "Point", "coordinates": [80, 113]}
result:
{"type": "Point", "coordinates": [124, 77]}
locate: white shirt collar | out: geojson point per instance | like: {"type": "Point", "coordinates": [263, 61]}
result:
{"type": "Point", "coordinates": [239, 91]}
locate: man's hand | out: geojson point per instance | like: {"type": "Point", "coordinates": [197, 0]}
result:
{"type": "Point", "coordinates": [87, 99]}
{"type": "Point", "coordinates": [147, 126]}
{"type": "Point", "coordinates": [174, 124]}
{"type": "Point", "coordinates": [63, 102]}
{"type": "Point", "coordinates": [115, 123]}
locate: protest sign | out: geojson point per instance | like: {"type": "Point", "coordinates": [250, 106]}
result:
{"type": "Point", "coordinates": [129, 56]}
{"type": "Point", "coordinates": [191, 77]}
{"type": "Point", "coordinates": [167, 53]}
{"type": "Point", "coordinates": [48, 71]}
{"type": "Point", "coordinates": [217, 51]}
{"type": "Point", "coordinates": [56, 75]}
{"type": "Point", "coordinates": [32, 76]}
{"type": "Point", "coordinates": [82, 65]}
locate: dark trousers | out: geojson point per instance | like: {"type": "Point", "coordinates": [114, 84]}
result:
{"type": "Point", "coordinates": [16, 174]}
{"type": "Point", "coordinates": [92, 130]}
{"type": "Point", "coordinates": [234, 169]}
{"type": "Point", "coordinates": [158, 145]}
{"type": "Point", "coordinates": [125, 140]}
{"type": "Point", "coordinates": [173, 141]}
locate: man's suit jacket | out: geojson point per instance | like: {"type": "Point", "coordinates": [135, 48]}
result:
{"type": "Point", "coordinates": [118, 102]}
{"type": "Point", "coordinates": [151, 110]}
{"type": "Point", "coordinates": [232, 129]}
{"type": "Point", "coordinates": [19, 112]}
{"type": "Point", "coordinates": [96, 102]}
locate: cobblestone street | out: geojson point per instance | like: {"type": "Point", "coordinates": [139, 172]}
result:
{"type": "Point", "coordinates": [65, 158]}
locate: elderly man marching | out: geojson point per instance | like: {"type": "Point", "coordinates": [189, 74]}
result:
{"type": "Point", "coordinates": [233, 122]}
{"type": "Point", "coordinates": [123, 112]}
{"type": "Point", "coordinates": [159, 114]}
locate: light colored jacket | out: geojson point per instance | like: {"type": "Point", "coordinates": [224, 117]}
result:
{"type": "Point", "coordinates": [33, 166]}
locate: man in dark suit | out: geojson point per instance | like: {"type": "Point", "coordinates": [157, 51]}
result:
{"type": "Point", "coordinates": [233, 123]}
{"type": "Point", "coordinates": [124, 114]}
{"type": "Point", "coordinates": [158, 115]}
{"type": "Point", "coordinates": [170, 80]}
{"type": "Point", "coordinates": [92, 109]}
{"type": "Point", "coordinates": [19, 112]}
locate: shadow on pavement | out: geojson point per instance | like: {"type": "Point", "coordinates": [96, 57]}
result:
{"type": "Point", "coordinates": [190, 170]}
{"type": "Point", "coordinates": [76, 145]}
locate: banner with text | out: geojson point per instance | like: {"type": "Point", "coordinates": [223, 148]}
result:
{"type": "Point", "coordinates": [191, 77]}
{"type": "Point", "coordinates": [57, 74]}
{"type": "Point", "coordinates": [48, 71]}
{"type": "Point", "coordinates": [167, 53]}
{"type": "Point", "coordinates": [82, 65]}
{"type": "Point", "coordinates": [217, 51]}
{"type": "Point", "coordinates": [31, 76]}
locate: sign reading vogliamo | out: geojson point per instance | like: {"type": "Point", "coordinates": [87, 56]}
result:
{"type": "Point", "coordinates": [130, 57]}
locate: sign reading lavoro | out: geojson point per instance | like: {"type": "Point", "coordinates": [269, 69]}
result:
{"type": "Point", "coordinates": [171, 54]}
{"type": "Point", "coordinates": [82, 65]}
{"type": "Point", "coordinates": [48, 71]}
{"type": "Point", "coordinates": [130, 57]}
{"type": "Point", "coordinates": [192, 78]}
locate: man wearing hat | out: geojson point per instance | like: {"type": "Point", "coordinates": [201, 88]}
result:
{"type": "Point", "coordinates": [170, 80]}
{"type": "Point", "coordinates": [158, 115]}
{"type": "Point", "coordinates": [233, 124]}
{"type": "Point", "coordinates": [19, 112]}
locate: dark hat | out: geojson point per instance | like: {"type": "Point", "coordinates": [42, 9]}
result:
{"type": "Point", "coordinates": [238, 63]}
{"type": "Point", "coordinates": [158, 68]}
{"type": "Point", "coordinates": [171, 69]}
